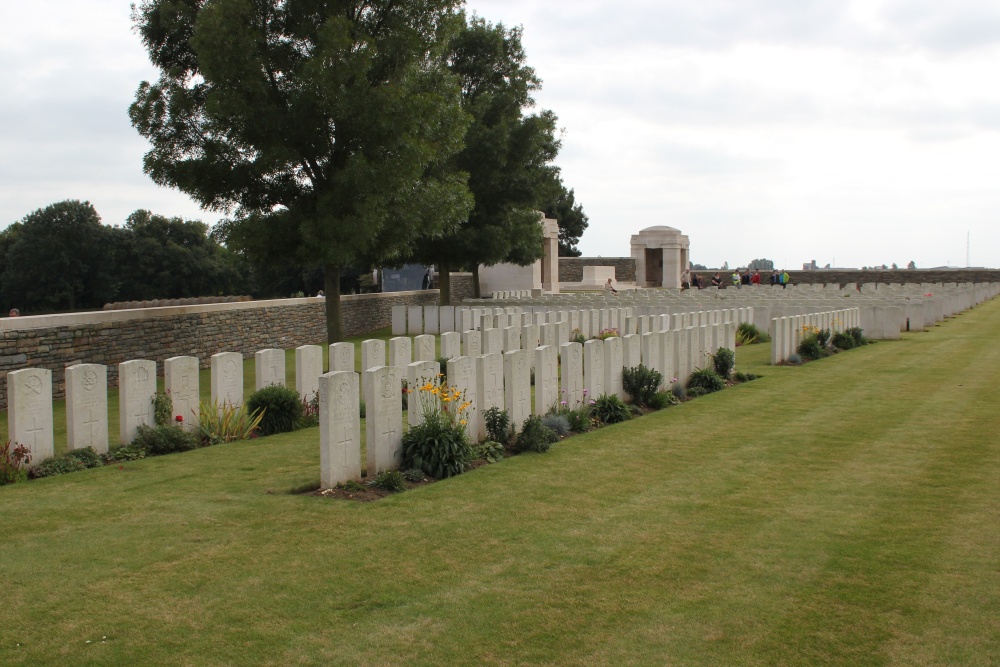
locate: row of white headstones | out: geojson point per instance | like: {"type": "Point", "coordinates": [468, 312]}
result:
{"type": "Point", "coordinates": [491, 367]}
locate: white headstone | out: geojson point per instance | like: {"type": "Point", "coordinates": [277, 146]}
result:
{"type": "Point", "coordinates": [447, 316]}
{"type": "Point", "coordinates": [546, 379]}
{"type": "Point", "coordinates": [431, 320]}
{"type": "Point", "coordinates": [465, 320]}
{"type": "Point", "coordinates": [517, 386]}
{"type": "Point", "coordinates": [227, 379]}
{"type": "Point", "coordinates": [571, 357]}
{"type": "Point", "coordinates": [593, 368]}
{"type": "Point", "coordinates": [614, 360]}
{"type": "Point", "coordinates": [87, 406]}
{"type": "Point", "coordinates": [308, 368]}
{"type": "Point", "coordinates": [472, 343]}
{"type": "Point", "coordinates": [419, 375]}
{"type": "Point", "coordinates": [399, 320]}
{"type": "Point", "coordinates": [451, 344]}
{"type": "Point", "coordinates": [651, 351]}
{"type": "Point", "coordinates": [29, 411]}
{"type": "Point", "coordinates": [339, 428]}
{"type": "Point", "coordinates": [342, 357]}
{"type": "Point", "coordinates": [136, 391]}
{"type": "Point", "coordinates": [492, 341]}
{"type": "Point", "coordinates": [373, 355]}
{"type": "Point", "coordinates": [489, 387]}
{"type": "Point", "coordinates": [511, 339]}
{"type": "Point", "coordinates": [462, 377]}
{"type": "Point", "coordinates": [631, 350]}
{"type": "Point", "coordinates": [425, 348]}
{"type": "Point", "coordinates": [401, 353]}
{"type": "Point", "coordinates": [415, 320]}
{"type": "Point", "coordinates": [182, 384]}
{"type": "Point", "coordinates": [383, 418]}
{"type": "Point", "coordinates": [270, 368]}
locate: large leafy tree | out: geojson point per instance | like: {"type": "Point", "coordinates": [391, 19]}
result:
{"type": "Point", "coordinates": [323, 126]}
{"type": "Point", "coordinates": [168, 258]}
{"type": "Point", "coordinates": [507, 155]}
{"type": "Point", "coordinates": [60, 259]}
{"type": "Point", "coordinates": [562, 207]}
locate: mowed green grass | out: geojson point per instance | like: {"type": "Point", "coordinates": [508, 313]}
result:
{"type": "Point", "coordinates": [846, 512]}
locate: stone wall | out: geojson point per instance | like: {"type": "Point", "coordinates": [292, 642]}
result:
{"type": "Point", "coordinates": [111, 337]}
{"type": "Point", "coordinates": [571, 268]}
{"type": "Point", "coordinates": [890, 276]}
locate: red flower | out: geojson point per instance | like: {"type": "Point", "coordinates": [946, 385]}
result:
{"type": "Point", "coordinates": [179, 418]}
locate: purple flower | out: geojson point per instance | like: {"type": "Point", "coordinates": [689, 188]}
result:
{"type": "Point", "coordinates": [562, 402]}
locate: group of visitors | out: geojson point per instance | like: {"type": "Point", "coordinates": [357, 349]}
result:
{"type": "Point", "coordinates": [739, 278]}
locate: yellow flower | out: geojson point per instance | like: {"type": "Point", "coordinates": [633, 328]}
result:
{"type": "Point", "coordinates": [463, 422]}
{"type": "Point", "coordinates": [446, 399]}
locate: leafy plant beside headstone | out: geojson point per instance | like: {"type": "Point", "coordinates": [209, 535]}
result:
{"type": "Point", "coordinates": [279, 407]}
{"type": "Point", "coordinates": [641, 384]}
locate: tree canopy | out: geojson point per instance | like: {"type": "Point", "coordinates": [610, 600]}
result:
{"type": "Point", "coordinates": [563, 208]}
{"type": "Point", "coordinates": [59, 259]}
{"type": "Point", "coordinates": [508, 155]}
{"type": "Point", "coordinates": [326, 128]}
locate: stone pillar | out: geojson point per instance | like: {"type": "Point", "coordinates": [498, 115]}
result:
{"type": "Point", "coordinates": [550, 260]}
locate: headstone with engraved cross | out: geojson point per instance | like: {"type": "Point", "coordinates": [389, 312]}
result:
{"type": "Point", "coordinates": [342, 357]}
{"type": "Point", "coordinates": [339, 428]}
{"type": "Point", "coordinates": [87, 407]}
{"type": "Point", "coordinates": [29, 411]}
{"type": "Point", "coordinates": [136, 391]}
{"type": "Point", "coordinates": [269, 366]}
{"type": "Point", "coordinates": [180, 379]}
{"type": "Point", "coordinates": [517, 385]}
{"type": "Point", "coordinates": [227, 379]}
{"type": "Point", "coordinates": [383, 418]}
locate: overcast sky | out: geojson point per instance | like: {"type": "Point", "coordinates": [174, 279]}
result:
{"type": "Point", "coordinates": [852, 133]}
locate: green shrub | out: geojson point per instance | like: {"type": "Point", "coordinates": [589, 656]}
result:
{"type": "Point", "coordinates": [663, 399]}
{"type": "Point", "coordinates": [413, 475]}
{"type": "Point", "coordinates": [498, 425]}
{"type": "Point", "coordinates": [557, 423]}
{"type": "Point", "coordinates": [606, 334]}
{"type": "Point", "coordinates": [490, 451]}
{"type": "Point", "coordinates": [858, 334]}
{"type": "Point", "coordinates": [124, 453]}
{"type": "Point", "coordinates": [438, 445]}
{"type": "Point", "coordinates": [163, 409]}
{"type": "Point", "coordinates": [577, 337]}
{"type": "Point", "coordinates": [705, 379]}
{"type": "Point", "coordinates": [609, 409]}
{"type": "Point", "coordinates": [279, 406]}
{"type": "Point", "coordinates": [843, 341]}
{"type": "Point", "coordinates": [748, 333]}
{"type": "Point", "coordinates": [745, 377]}
{"type": "Point", "coordinates": [641, 384]}
{"type": "Point", "coordinates": [809, 348]}
{"type": "Point", "coordinates": [535, 436]}
{"type": "Point", "coordinates": [77, 459]}
{"type": "Point", "coordinates": [794, 360]}
{"type": "Point", "coordinates": [13, 463]}
{"type": "Point", "coordinates": [160, 440]}
{"type": "Point", "coordinates": [389, 480]}
{"type": "Point", "coordinates": [578, 417]}
{"type": "Point", "coordinates": [679, 392]}
{"type": "Point", "coordinates": [823, 336]}
{"type": "Point", "coordinates": [226, 423]}
{"type": "Point", "coordinates": [724, 361]}
{"type": "Point", "coordinates": [695, 392]}
{"type": "Point", "coordinates": [362, 410]}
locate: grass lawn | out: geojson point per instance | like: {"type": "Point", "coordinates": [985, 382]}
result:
{"type": "Point", "coordinates": [846, 512]}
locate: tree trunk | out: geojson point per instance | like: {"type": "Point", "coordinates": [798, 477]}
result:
{"type": "Point", "coordinates": [331, 290]}
{"type": "Point", "coordinates": [477, 291]}
{"type": "Point", "coordinates": [444, 283]}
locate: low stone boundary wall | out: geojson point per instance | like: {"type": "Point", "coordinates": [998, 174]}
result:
{"type": "Point", "coordinates": [111, 337]}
